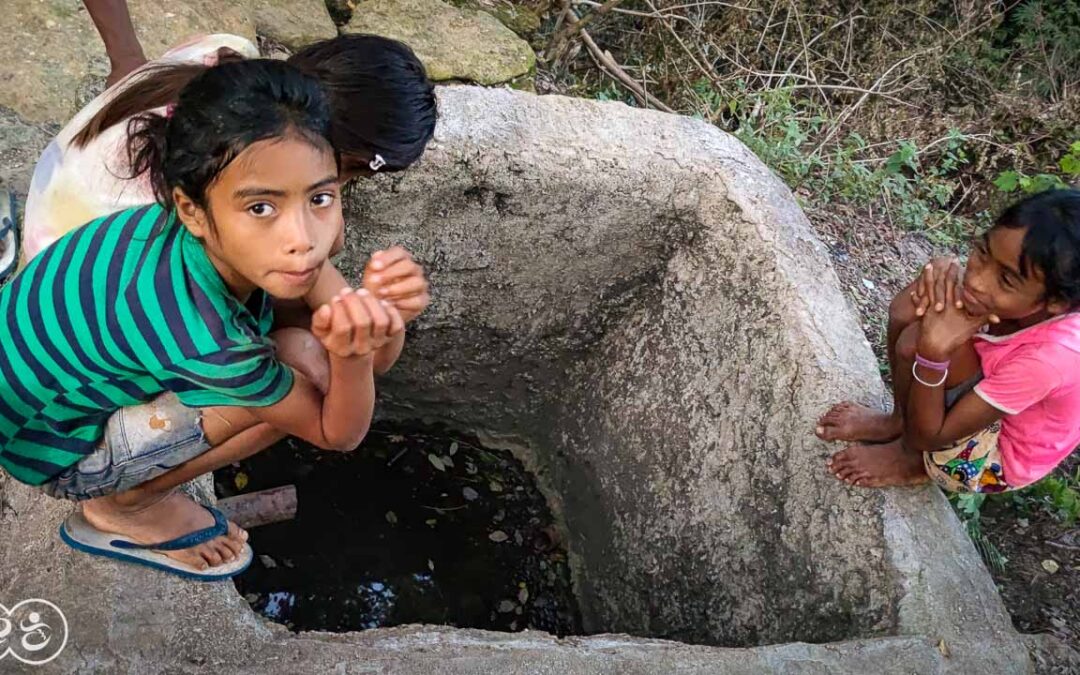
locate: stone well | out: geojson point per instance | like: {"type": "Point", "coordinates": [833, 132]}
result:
{"type": "Point", "coordinates": [633, 304]}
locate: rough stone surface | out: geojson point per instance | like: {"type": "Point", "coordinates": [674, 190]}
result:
{"type": "Point", "coordinates": [454, 44]}
{"type": "Point", "coordinates": [293, 23]}
{"type": "Point", "coordinates": [635, 305]}
{"type": "Point", "coordinates": [53, 59]}
{"type": "Point", "coordinates": [518, 18]}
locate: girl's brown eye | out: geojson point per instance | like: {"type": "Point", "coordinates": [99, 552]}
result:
{"type": "Point", "coordinates": [260, 210]}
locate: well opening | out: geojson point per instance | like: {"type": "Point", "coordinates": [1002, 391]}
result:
{"type": "Point", "coordinates": [419, 525]}
{"type": "Point", "coordinates": [622, 315]}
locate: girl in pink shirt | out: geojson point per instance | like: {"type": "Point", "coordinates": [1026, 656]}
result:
{"type": "Point", "coordinates": [986, 363]}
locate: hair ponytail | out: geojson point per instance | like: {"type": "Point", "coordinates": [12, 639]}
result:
{"type": "Point", "coordinates": [152, 87]}
{"type": "Point", "coordinates": [146, 153]}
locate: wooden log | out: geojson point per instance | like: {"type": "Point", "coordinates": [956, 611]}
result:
{"type": "Point", "coordinates": [260, 508]}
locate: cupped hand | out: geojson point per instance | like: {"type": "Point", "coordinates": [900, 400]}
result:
{"type": "Point", "coordinates": [394, 276]}
{"type": "Point", "coordinates": [355, 323]}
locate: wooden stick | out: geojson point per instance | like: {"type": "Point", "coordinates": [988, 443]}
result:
{"type": "Point", "coordinates": [260, 508]}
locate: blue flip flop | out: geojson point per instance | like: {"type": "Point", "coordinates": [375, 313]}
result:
{"type": "Point", "coordinates": [82, 536]}
{"type": "Point", "coordinates": [9, 235]}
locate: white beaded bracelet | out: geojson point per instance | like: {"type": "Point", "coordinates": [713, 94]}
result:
{"type": "Point", "coordinates": [944, 376]}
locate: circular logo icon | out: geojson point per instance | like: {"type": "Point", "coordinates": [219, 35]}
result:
{"type": "Point", "coordinates": [34, 631]}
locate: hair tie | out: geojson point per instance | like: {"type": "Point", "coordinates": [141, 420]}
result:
{"type": "Point", "coordinates": [377, 163]}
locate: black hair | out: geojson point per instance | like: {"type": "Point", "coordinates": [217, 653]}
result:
{"type": "Point", "coordinates": [381, 101]}
{"type": "Point", "coordinates": [220, 112]}
{"type": "Point", "coordinates": [1052, 241]}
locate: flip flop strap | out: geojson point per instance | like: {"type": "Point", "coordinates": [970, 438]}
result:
{"type": "Point", "coordinates": [7, 222]}
{"type": "Point", "coordinates": [188, 540]}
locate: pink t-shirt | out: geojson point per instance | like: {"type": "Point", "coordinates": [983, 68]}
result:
{"type": "Point", "coordinates": [1033, 376]}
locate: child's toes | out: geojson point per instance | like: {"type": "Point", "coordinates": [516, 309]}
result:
{"type": "Point", "coordinates": [826, 432]}
{"type": "Point", "coordinates": [237, 534]}
{"type": "Point", "coordinates": [192, 557]}
{"type": "Point", "coordinates": [234, 547]}
{"type": "Point", "coordinates": [210, 554]}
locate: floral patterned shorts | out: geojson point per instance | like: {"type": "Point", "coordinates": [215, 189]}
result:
{"type": "Point", "coordinates": [973, 464]}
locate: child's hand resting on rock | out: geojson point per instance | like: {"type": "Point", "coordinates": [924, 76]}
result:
{"type": "Point", "coordinates": [355, 323]}
{"type": "Point", "coordinates": [392, 275]}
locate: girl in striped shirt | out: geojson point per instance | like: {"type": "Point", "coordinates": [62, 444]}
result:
{"type": "Point", "coordinates": [137, 352]}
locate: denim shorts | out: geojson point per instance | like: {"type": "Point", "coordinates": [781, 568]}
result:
{"type": "Point", "coordinates": [140, 443]}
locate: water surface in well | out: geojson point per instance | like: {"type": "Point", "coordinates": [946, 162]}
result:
{"type": "Point", "coordinates": [418, 525]}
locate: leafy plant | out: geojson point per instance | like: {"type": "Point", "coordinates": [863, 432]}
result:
{"type": "Point", "coordinates": [969, 508]}
{"type": "Point", "coordinates": [1057, 495]}
{"type": "Point", "coordinates": [1069, 165]}
{"type": "Point", "coordinates": [913, 185]}
{"type": "Point", "coordinates": [1046, 46]}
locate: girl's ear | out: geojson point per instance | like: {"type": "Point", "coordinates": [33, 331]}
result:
{"type": "Point", "coordinates": [191, 214]}
{"type": "Point", "coordinates": [1056, 307]}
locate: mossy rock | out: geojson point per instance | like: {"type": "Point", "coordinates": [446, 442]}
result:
{"type": "Point", "coordinates": [453, 43]}
{"type": "Point", "coordinates": [294, 23]}
{"type": "Point", "coordinates": [522, 20]}
{"type": "Point", "coordinates": [53, 58]}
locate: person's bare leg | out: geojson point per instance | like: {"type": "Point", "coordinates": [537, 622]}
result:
{"type": "Point", "coordinates": [851, 421]}
{"type": "Point", "coordinates": [154, 511]}
{"type": "Point", "coordinates": [879, 465]}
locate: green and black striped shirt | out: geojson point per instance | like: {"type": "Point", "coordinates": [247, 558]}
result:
{"type": "Point", "coordinates": [111, 315]}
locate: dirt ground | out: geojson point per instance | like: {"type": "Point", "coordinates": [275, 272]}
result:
{"type": "Point", "coordinates": [1040, 582]}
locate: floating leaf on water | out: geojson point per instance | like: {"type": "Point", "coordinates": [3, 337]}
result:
{"type": "Point", "coordinates": [453, 448]}
{"type": "Point", "coordinates": [470, 494]}
{"type": "Point", "coordinates": [391, 517]}
{"type": "Point", "coordinates": [447, 461]}
{"type": "Point", "coordinates": [506, 606]}
{"type": "Point", "coordinates": [498, 536]}
{"type": "Point", "coordinates": [267, 562]}
{"type": "Point", "coordinates": [523, 595]}
{"type": "Point", "coordinates": [240, 480]}
{"type": "Point", "coordinates": [396, 438]}
{"type": "Point", "coordinates": [436, 461]}
{"type": "Point", "coordinates": [471, 469]}
{"type": "Point", "coordinates": [518, 539]}
{"type": "Point", "coordinates": [1050, 566]}
{"type": "Point", "coordinates": [513, 625]}
{"type": "Point", "coordinates": [431, 564]}
{"type": "Point", "coordinates": [432, 522]}
{"type": "Point", "coordinates": [495, 486]}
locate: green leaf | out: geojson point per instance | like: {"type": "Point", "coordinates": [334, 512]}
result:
{"type": "Point", "coordinates": [1007, 181]}
{"type": "Point", "coordinates": [1070, 164]}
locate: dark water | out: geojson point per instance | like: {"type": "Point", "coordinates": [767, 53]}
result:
{"type": "Point", "coordinates": [416, 526]}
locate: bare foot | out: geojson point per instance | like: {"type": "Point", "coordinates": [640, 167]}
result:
{"type": "Point", "coordinates": [163, 519]}
{"type": "Point", "coordinates": [850, 421]}
{"type": "Point", "coordinates": [878, 465]}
